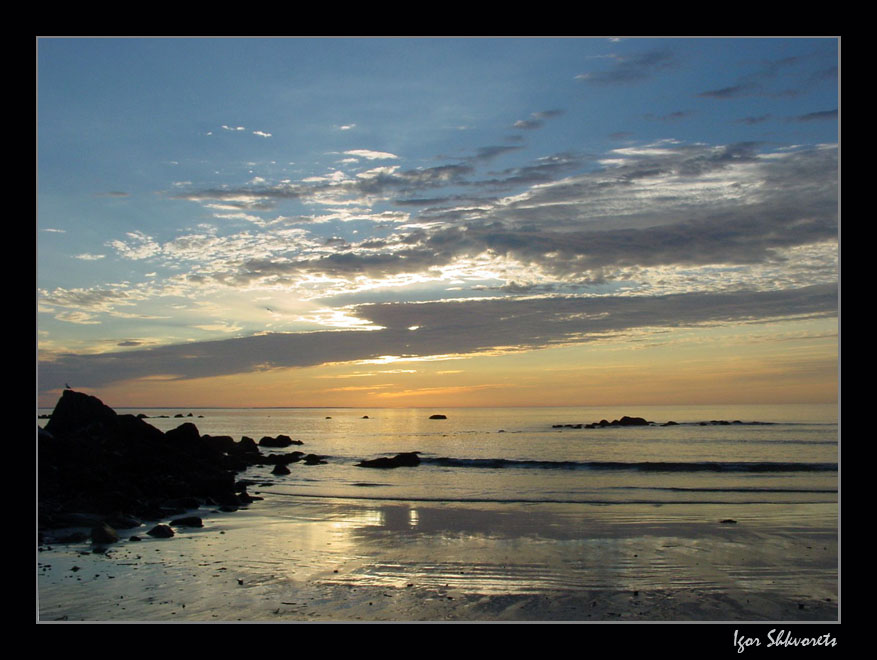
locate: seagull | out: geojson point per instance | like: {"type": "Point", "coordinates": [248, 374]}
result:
{"type": "Point", "coordinates": [67, 387]}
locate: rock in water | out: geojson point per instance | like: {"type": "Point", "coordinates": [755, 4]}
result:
{"type": "Point", "coordinates": [406, 459]}
{"type": "Point", "coordinates": [438, 416]}
{"type": "Point", "coordinates": [279, 442]}
{"type": "Point", "coordinates": [91, 459]}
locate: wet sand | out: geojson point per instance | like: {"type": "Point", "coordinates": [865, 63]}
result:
{"type": "Point", "coordinates": [313, 560]}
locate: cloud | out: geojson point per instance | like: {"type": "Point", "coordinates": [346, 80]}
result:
{"type": "Point", "coordinates": [445, 329]}
{"type": "Point", "coordinates": [631, 68]}
{"type": "Point", "coordinates": [733, 91]}
{"type": "Point", "coordinates": [754, 120]}
{"type": "Point", "coordinates": [653, 205]}
{"type": "Point", "coordinates": [371, 155]}
{"type": "Point", "coordinates": [537, 119]}
{"type": "Point", "coordinates": [761, 81]}
{"type": "Point", "coordinates": [830, 115]}
{"type": "Point", "coordinates": [262, 134]}
{"type": "Point", "coordinates": [139, 246]}
{"type": "Point", "coordinates": [672, 116]}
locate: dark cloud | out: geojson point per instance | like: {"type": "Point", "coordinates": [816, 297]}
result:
{"type": "Point", "coordinates": [264, 197]}
{"type": "Point", "coordinates": [632, 68]}
{"type": "Point", "coordinates": [754, 120]}
{"type": "Point", "coordinates": [549, 114]}
{"type": "Point", "coordinates": [672, 116]}
{"type": "Point", "coordinates": [489, 153]}
{"type": "Point", "coordinates": [818, 116]}
{"type": "Point", "coordinates": [761, 81]}
{"type": "Point", "coordinates": [731, 92]}
{"type": "Point", "coordinates": [458, 327]}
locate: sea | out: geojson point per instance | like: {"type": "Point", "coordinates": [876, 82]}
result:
{"type": "Point", "coordinates": [720, 455]}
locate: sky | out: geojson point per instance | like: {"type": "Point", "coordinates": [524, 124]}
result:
{"type": "Point", "coordinates": [438, 221]}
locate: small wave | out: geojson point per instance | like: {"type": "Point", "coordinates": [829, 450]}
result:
{"type": "Point", "coordinates": [544, 499]}
{"type": "Point", "coordinates": [637, 466]}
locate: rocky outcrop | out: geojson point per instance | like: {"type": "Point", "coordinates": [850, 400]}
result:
{"type": "Point", "coordinates": [439, 416]}
{"type": "Point", "coordinates": [120, 468]}
{"type": "Point", "coordinates": [603, 423]}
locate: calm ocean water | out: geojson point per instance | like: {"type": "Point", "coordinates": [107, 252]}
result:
{"type": "Point", "coordinates": [787, 454]}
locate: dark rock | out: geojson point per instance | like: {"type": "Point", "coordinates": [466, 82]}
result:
{"type": "Point", "coordinates": [280, 441]}
{"type": "Point", "coordinates": [280, 469]}
{"type": "Point", "coordinates": [71, 537]}
{"type": "Point", "coordinates": [246, 446]}
{"type": "Point", "coordinates": [246, 498]}
{"type": "Point", "coordinates": [103, 534]}
{"type": "Point", "coordinates": [624, 421]}
{"type": "Point", "coordinates": [188, 521]}
{"type": "Point", "coordinates": [91, 459]}
{"type": "Point", "coordinates": [630, 421]}
{"type": "Point", "coordinates": [670, 423]}
{"type": "Point", "coordinates": [438, 416]}
{"type": "Point", "coordinates": [123, 522]}
{"type": "Point", "coordinates": [406, 459]}
{"type": "Point", "coordinates": [161, 532]}
{"type": "Point", "coordinates": [181, 503]}
{"type": "Point", "coordinates": [282, 459]}
{"type": "Point", "coordinates": [187, 432]}
{"type": "Point", "coordinates": [728, 521]}
{"type": "Point", "coordinates": [223, 443]}
{"type": "Point", "coordinates": [313, 459]}
{"type": "Point", "coordinates": [76, 411]}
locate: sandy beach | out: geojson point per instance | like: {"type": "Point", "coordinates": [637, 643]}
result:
{"type": "Point", "coordinates": [333, 560]}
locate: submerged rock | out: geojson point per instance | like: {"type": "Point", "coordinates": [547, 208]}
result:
{"type": "Point", "coordinates": [439, 416]}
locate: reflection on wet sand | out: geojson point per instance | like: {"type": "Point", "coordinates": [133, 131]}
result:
{"type": "Point", "coordinates": [303, 559]}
